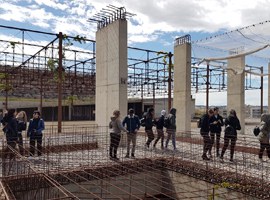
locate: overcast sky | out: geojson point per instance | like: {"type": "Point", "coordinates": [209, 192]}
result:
{"type": "Point", "coordinates": [156, 24]}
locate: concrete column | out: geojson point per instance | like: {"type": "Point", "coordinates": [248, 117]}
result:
{"type": "Point", "coordinates": [182, 87]}
{"type": "Point", "coordinates": [268, 88]}
{"type": "Point", "coordinates": [236, 90]}
{"type": "Point", "coordinates": [111, 71]}
{"type": "Point", "coordinates": [69, 112]}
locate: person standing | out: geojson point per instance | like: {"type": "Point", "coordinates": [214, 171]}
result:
{"type": "Point", "coordinates": [149, 123]}
{"type": "Point", "coordinates": [22, 123]}
{"type": "Point", "coordinates": [36, 126]}
{"type": "Point", "coordinates": [264, 135]}
{"type": "Point", "coordinates": [115, 134]}
{"type": "Point", "coordinates": [171, 130]}
{"type": "Point", "coordinates": [132, 123]}
{"type": "Point", "coordinates": [204, 131]}
{"type": "Point", "coordinates": [232, 124]}
{"type": "Point", "coordinates": [1, 117]}
{"type": "Point", "coordinates": [216, 122]}
{"type": "Point", "coordinates": [10, 129]}
{"type": "Point", "coordinates": [159, 127]}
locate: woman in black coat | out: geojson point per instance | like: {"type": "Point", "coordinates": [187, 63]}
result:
{"type": "Point", "coordinates": [10, 129]}
{"type": "Point", "coordinates": [232, 124]}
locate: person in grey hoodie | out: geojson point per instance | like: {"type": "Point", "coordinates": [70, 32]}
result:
{"type": "Point", "coordinates": [264, 135]}
{"type": "Point", "coordinates": [115, 134]}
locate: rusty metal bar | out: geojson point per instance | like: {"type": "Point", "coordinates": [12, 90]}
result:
{"type": "Point", "coordinates": [60, 77]}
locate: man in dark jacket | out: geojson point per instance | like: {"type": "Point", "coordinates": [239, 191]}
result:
{"type": "Point", "coordinates": [132, 123]}
{"type": "Point", "coordinates": [216, 122]}
{"type": "Point", "coordinates": [149, 123]}
{"type": "Point", "coordinates": [171, 130]}
{"type": "Point", "coordinates": [10, 129]}
{"type": "Point", "coordinates": [205, 126]}
{"type": "Point", "coordinates": [159, 127]}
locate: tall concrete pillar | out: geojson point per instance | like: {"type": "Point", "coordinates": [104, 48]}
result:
{"type": "Point", "coordinates": [268, 88]}
{"type": "Point", "coordinates": [111, 71]}
{"type": "Point", "coordinates": [182, 86]}
{"type": "Point", "coordinates": [236, 89]}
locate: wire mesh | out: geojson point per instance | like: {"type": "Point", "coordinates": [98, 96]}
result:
{"type": "Point", "coordinates": [76, 164]}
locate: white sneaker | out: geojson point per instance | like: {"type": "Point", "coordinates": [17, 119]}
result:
{"type": "Point", "coordinates": [31, 158]}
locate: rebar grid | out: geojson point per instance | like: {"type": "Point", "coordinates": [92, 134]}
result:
{"type": "Point", "coordinates": [28, 68]}
{"type": "Point", "coordinates": [81, 158]}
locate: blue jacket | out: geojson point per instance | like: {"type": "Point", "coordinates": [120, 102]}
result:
{"type": "Point", "coordinates": [31, 132]}
{"type": "Point", "coordinates": [132, 123]}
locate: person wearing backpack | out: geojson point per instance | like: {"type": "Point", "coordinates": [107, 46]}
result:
{"type": "Point", "coordinates": [263, 135]}
{"type": "Point", "coordinates": [159, 127]}
{"type": "Point", "coordinates": [171, 130]}
{"type": "Point", "coordinates": [232, 124]}
{"type": "Point", "coordinates": [204, 131]}
{"type": "Point", "coordinates": [216, 122]}
{"type": "Point", "coordinates": [149, 123]}
{"type": "Point", "coordinates": [10, 129]}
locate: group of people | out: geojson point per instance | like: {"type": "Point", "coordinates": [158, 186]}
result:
{"type": "Point", "coordinates": [131, 124]}
{"type": "Point", "coordinates": [210, 129]}
{"type": "Point", "coordinates": [211, 124]}
{"type": "Point", "coordinates": [13, 125]}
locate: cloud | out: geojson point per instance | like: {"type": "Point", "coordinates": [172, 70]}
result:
{"type": "Point", "coordinates": [152, 16]}
{"type": "Point", "coordinates": [13, 13]}
{"type": "Point", "coordinates": [52, 4]}
{"type": "Point", "coordinates": [142, 38]}
{"type": "Point", "coordinates": [204, 15]}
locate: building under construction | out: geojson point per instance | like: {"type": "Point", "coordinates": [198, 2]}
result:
{"type": "Point", "coordinates": [75, 163]}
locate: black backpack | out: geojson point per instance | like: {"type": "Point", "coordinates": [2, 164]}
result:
{"type": "Point", "coordinates": [199, 123]}
{"type": "Point", "coordinates": [256, 131]}
{"type": "Point", "coordinates": [229, 130]}
{"type": "Point", "coordinates": [167, 122]}
{"type": "Point", "coordinates": [142, 122]}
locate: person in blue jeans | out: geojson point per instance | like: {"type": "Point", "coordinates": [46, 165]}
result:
{"type": "Point", "coordinates": [36, 126]}
{"type": "Point", "coordinates": [132, 123]}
